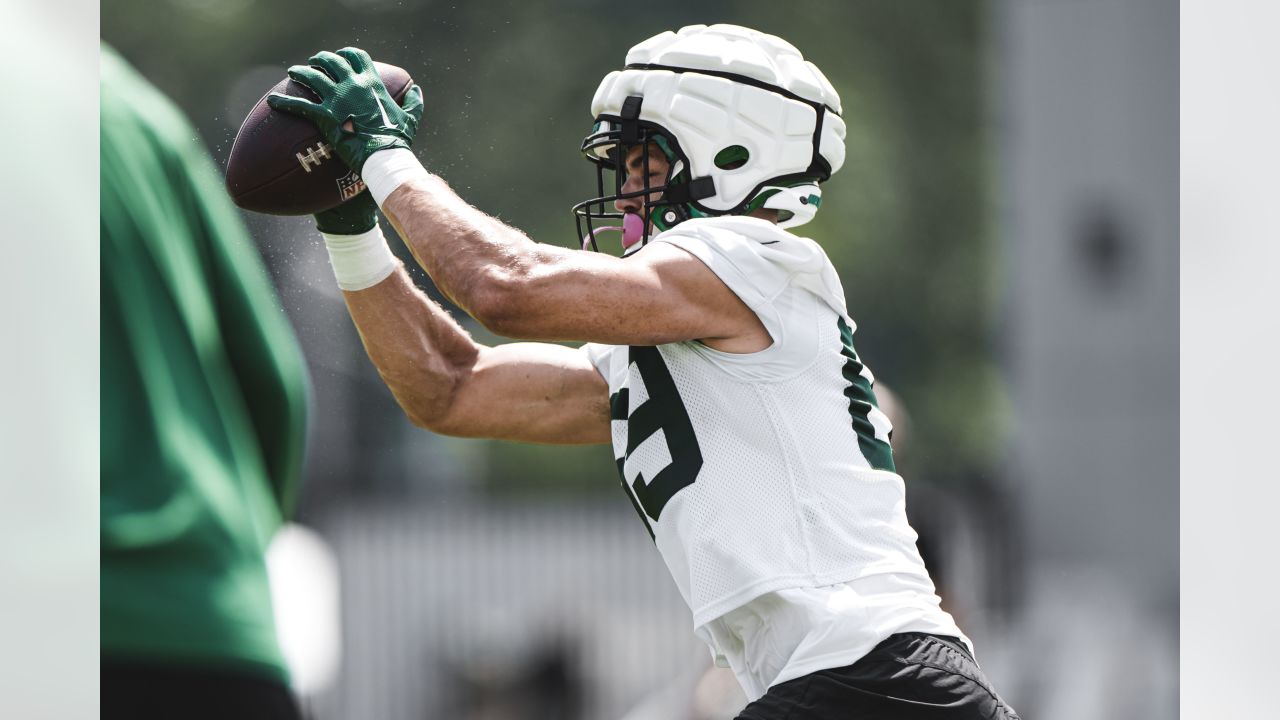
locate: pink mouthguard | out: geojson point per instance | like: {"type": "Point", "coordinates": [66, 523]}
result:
{"type": "Point", "coordinates": [632, 231]}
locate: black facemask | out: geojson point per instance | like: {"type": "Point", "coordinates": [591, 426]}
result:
{"type": "Point", "coordinates": [607, 146]}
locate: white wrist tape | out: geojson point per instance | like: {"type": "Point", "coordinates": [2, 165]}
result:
{"type": "Point", "coordinates": [360, 261]}
{"type": "Point", "coordinates": [387, 170]}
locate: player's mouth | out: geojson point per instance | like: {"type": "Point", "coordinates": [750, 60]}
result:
{"type": "Point", "coordinates": [632, 230]}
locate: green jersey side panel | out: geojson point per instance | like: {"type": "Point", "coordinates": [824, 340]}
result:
{"type": "Point", "coordinates": [203, 397]}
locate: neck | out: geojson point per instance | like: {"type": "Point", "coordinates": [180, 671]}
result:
{"type": "Point", "coordinates": [764, 214]}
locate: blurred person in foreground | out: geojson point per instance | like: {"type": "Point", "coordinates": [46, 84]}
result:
{"type": "Point", "coordinates": [719, 359]}
{"type": "Point", "coordinates": [203, 411]}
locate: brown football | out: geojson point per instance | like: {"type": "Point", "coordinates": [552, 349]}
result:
{"type": "Point", "coordinates": [280, 165]}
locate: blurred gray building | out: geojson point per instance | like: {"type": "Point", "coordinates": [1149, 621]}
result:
{"type": "Point", "coordinates": [1087, 128]}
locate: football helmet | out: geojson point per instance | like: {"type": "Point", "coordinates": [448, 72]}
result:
{"type": "Point", "coordinates": [744, 121]}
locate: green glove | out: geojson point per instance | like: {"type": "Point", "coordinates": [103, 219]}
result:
{"type": "Point", "coordinates": [353, 217]}
{"type": "Point", "coordinates": [356, 113]}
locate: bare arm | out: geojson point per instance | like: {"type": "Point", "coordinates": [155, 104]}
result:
{"type": "Point", "coordinates": [448, 383]}
{"type": "Point", "coordinates": [519, 288]}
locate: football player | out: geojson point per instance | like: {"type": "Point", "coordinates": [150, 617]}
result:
{"type": "Point", "coordinates": [203, 417]}
{"type": "Point", "coordinates": [719, 359]}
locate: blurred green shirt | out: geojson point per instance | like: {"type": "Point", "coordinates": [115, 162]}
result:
{"type": "Point", "coordinates": [203, 398]}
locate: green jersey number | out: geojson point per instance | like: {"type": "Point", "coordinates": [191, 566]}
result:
{"type": "Point", "coordinates": [664, 410]}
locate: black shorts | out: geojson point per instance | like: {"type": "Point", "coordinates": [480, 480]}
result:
{"type": "Point", "coordinates": [908, 676]}
{"type": "Point", "coordinates": [140, 690]}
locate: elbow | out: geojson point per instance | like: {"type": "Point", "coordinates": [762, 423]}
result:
{"type": "Point", "coordinates": [438, 420]}
{"type": "Point", "coordinates": [498, 302]}
{"type": "Point", "coordinates": [427, 400]}
{"type": "Point", "coordinates": [425, 418]}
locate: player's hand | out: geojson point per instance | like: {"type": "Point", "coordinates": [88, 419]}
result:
{"type": "Point", "coordinates": [353, 217]}
{"type": "Point", "coordinates": [355, 114]}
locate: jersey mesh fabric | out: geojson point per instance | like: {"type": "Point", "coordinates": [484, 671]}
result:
{"type": "Point", "coordinates": [784, 497]}
{"type": "Point", "coordinates": [789, 633]}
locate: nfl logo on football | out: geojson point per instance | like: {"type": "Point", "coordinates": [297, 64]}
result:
{"type": "Point", "coordinates": [349, 186]}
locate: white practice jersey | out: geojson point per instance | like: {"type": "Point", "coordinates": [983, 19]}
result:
{"type": "Point", "coordinates": [763, 472]}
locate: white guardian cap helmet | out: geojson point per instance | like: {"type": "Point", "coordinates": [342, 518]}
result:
{"type": "Point", "coordinates": [744, 120]}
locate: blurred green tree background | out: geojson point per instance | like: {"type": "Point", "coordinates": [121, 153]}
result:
{"type": "Point", "coordinates": [907, 222]}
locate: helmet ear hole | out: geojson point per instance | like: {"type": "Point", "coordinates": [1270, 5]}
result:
{"type": "Point", "coordinates": [732, 157]}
